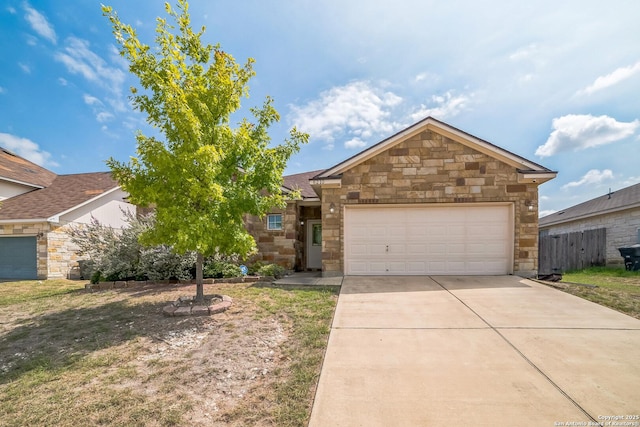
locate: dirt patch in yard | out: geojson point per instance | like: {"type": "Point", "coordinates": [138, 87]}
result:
{"type": "Point", "coordinates": [113, 358]}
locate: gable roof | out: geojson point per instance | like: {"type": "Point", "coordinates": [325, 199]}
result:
{"type": "Point", "coordinates": [65, 193]}
{"type": "Point", "coordinates": [300, 181]}
{"type": "Point", "coordinates": [530, 169]}
{"type": "Point", "coordinates": [626, 198]}
{"type": "Point", "coordinates": [14, 168]}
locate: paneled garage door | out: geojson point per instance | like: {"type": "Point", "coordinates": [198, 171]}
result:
{"type": "Point", "coordinates": [441, 239]}
{"type": "Point", "coordinates": [18, 258]}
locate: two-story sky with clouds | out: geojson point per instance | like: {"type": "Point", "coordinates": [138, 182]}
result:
{"type": "Point", "coordinates": [556, 82]}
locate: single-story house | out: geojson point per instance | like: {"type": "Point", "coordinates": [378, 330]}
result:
{"type": "Point", "coordinates": [617, 212]}
{"type": "Point", "coordinates": [37, 207]}
{"type": "Point", "coordinates": [430, 199]}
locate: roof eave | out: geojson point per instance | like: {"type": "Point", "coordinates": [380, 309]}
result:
{"type": "Point", "coordinates": [23, 221]}
{"type": "Point", "coordinates": [26, 184]}
{"type": "Point", "coordinates": [590, 215]}
{"type": "Point", "coordinates": [535, 177]}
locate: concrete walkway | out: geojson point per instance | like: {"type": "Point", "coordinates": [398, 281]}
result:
{"type": "Point", "coordinates": [482, 351]}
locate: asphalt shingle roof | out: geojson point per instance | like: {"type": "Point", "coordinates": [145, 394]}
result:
{"type": "Point", "coordinates": [65, 192]}
{"type": "Point", "coordinates": [15, 168]}
{"type": "Point", "coordinates": [300, 181]}
{"type": "Point", "coordinates": [617, 200]}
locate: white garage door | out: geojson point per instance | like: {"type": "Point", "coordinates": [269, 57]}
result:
{"type": "Point", "coordinates": [429, 240]}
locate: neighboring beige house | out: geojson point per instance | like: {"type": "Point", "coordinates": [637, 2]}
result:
{"type": "Point", "coordinates": [618, 212]}
{"type": "Point", "coordinates": [37, 206]}
{"type": "Point", "coordinates": [430, 199]}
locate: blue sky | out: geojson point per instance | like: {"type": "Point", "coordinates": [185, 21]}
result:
{"type": "Point", "coordinates": [555, 82]}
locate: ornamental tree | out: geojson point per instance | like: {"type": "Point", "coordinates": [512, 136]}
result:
{"type": "Point", "coordinates": [201, 175]}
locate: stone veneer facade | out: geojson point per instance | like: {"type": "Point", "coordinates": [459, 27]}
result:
{"type": "Point", "coordinates": [623, 229]}
{"type": "Point", "coordinates": [55, 253]}
{"type": "Point", "coordinates": [431, 168]}
{"type": "Point", "coordinates": [276, 246]}
{"type": "Point", "coordinates": [284, 247]}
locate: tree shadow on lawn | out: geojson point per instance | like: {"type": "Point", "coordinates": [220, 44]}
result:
{"type": "Point", "coordinates": [64, 338]}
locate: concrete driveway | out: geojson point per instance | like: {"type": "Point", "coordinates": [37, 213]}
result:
{"type": "Point", "coordinates": [482, 351]}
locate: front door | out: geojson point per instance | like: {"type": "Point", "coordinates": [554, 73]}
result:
{"type": "Point", "coordinates": [314, 243]}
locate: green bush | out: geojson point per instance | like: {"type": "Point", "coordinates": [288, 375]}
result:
{"type": "Point", "coordinates": [273, 270]}
{"type": "Point", "coordinates": [219, 269]}
{"type": "Point", "coordinates": [254, 268]}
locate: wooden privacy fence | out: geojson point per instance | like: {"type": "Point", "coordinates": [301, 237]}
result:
{"type": "Point", "coordinates": [571, 251]}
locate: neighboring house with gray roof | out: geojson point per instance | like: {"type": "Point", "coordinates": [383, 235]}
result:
{"type": "Point", "coordinates": [618, 212]}
{"type": "Point", "coordinates": [37, 207]}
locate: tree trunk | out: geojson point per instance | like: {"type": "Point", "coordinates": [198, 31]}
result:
{"type": "Point", "coordinates": [199, 278]}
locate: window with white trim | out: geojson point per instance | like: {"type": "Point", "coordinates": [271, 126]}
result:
{"type": "Point", "coordinates": [274, 222]}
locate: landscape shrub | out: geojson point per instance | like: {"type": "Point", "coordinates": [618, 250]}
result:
{"type": "Point", "coordinates": [160, 262]}
{"type": "Point", "coordinates": [254, 268]}
{"type": "Point", "coordinates": [273, 270]}
{"type": "Point", "coordinates": [116, 254]}
{"type": "Point", "coordinates": [219, 269]}
{"type": "Point", "coordinates": [112, 253]}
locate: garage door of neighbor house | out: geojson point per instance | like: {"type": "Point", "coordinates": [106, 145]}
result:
{"type": "Point", "coordinates": [445, 239]}
{"type": "Point", "coordinates": [18, 258]}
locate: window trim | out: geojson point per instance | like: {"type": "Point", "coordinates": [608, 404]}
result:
{"type": "Point", "coordinates": [269, 227]}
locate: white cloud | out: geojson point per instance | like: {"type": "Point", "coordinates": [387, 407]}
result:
{"type": "Point", "coordinates": [31, 40]}
{"type": "Point", "coordinates": [594, 176]}
{"type": "Point", "coordinates": [632, 180]}
{"type": "Point", "coordinates": [62, 81]}
{"type": "Point", "coordinates": [546, 212]}
{"type": "Point", "coordinates": [442, 107]}
{"type": "Point", "coordinates": [98, 108]}
{"type": "Point", "coordinates": [79, 59]}
{"type": "Point", "coordinates": [356, 110]}
{"type": "Point", "coordinates": [104, 116]}
{"type": "Point", "coordinates": [91, 100]}
{"type": "Point", "coordinates": [523, 53]}
{"type": "Point", "coordinates": [2, 90]}
{"type": "Point", "coordinates": [577, 132]}
{"type": "Point", "coordinates": [12, 10]}
{"type": "Point", "coordinates": [26, 148]}
{"type": "Point", "coordinates": [354, 143]}
{"type": "Point", "coordinates": [611, 79]}
{"type": "Point", "coordinates": [40, 24]}
{"type": "Point", "coordinates": [25, 68]}
{"type": "Point", "coordinates": [426, 77]}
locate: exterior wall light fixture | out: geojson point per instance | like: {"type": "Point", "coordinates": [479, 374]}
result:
{"type": "Point", "coordinates": [332, 208]}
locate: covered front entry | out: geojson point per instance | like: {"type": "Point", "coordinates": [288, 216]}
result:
{"type": "Point", "coordinates": [434, 239]}
{"type": "Point", "coordinates": [18, 257]}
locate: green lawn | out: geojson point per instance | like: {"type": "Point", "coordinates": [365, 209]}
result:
{"type": "Point", "coordinates": [71, 358]}
{"type": "Point", "coordinates": [612, 287]}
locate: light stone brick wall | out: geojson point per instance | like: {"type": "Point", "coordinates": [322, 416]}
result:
{"type": "Point", "coordinates": [63, 259]}
{"type": "Point", "coordinates": [277, 246]}
{"type": "Point", "coordinates": [622, 230]}
{"type": "Point", "coordinates": [431, 168]}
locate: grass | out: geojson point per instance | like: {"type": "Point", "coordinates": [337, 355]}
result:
{"type": "Point", "coordinates": [71, 358]}
{"type": "Point", "coordinates": [32, 290]}
{"type": "Point", "coordinates": [615, 288]}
